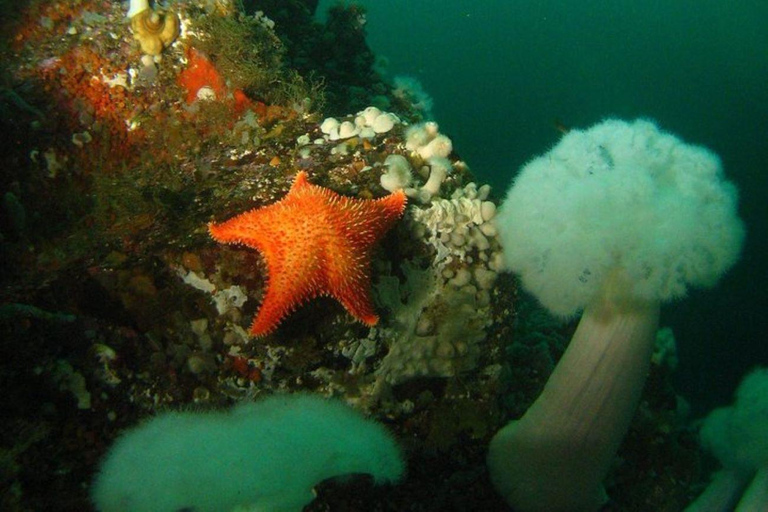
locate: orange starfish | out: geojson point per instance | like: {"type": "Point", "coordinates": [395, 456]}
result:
{"type": "Point", "coordinates": [315, 242]}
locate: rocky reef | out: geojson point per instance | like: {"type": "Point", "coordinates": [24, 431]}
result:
{"type": "Point", "coordinates": [120, 146]}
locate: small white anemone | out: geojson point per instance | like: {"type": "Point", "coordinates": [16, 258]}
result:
{"type": "Point", "coordinates": [384, 122]}
{"type": "Point", "coordinates": [398, 174]}
{"type": "Point", "coordinates": [329, 124]}
{"type": "Point", "coordinates": [347, 129]}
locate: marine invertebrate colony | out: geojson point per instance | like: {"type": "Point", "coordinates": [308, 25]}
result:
{"type": "Point", "coordinates": [315, 242]}
{"type": "Point", "coordinates": [614, 220]}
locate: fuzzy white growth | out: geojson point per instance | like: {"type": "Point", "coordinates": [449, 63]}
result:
{"type": "Point", "coordinates": [441, 146]}
{"type": "Point", "coordinates": [410, 89]}
{"type": "Point", "coordinates": [738, 437]}
{"type": "Point", "coordinates": [266, 455]}
{"type": "Point", "coordinates": [398, 174]}
{"type": "Point", "coordinates": [425, 140]}
{"type": "Point", "coordinates": [137, 6]}
{"type": "Point", "coordinates": [420, 135]}
{"type": "Point", "coordinates": [619, 196]}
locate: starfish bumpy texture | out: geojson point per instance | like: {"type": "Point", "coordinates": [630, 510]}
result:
{"type": "Point", "coordinates": [315, 242]}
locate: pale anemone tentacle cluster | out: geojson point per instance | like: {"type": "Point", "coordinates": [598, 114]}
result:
{"type": "Point", "coordinates": [426, 140]}
{"type": "Point", "coordinates": [398, 173]}
{"type": "Point", "coordinates": [436, 170]}
{"type": "Point", "coordinates": [428, 145]}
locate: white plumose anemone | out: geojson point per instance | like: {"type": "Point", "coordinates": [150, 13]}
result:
{"type": "Point", "coordinates": [613, 221]}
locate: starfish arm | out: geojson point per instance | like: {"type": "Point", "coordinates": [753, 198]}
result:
{"type": "Point", "coordinates": [349, 283]}
{"type": "Point", "coordinates": [241, 229]}
{"type": "Point", "coordinates": [360, 306]}
{"type": "Point", "coordinates": [291, 281]}
{"type": "Point", "coordinates": [378, 216]}
{"type": "Point", "coordinates": [258, 228]}
{"type": "Point", "coordinates": [300, 181]}
{"type": "Point", "coordinates": [271, 312]}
